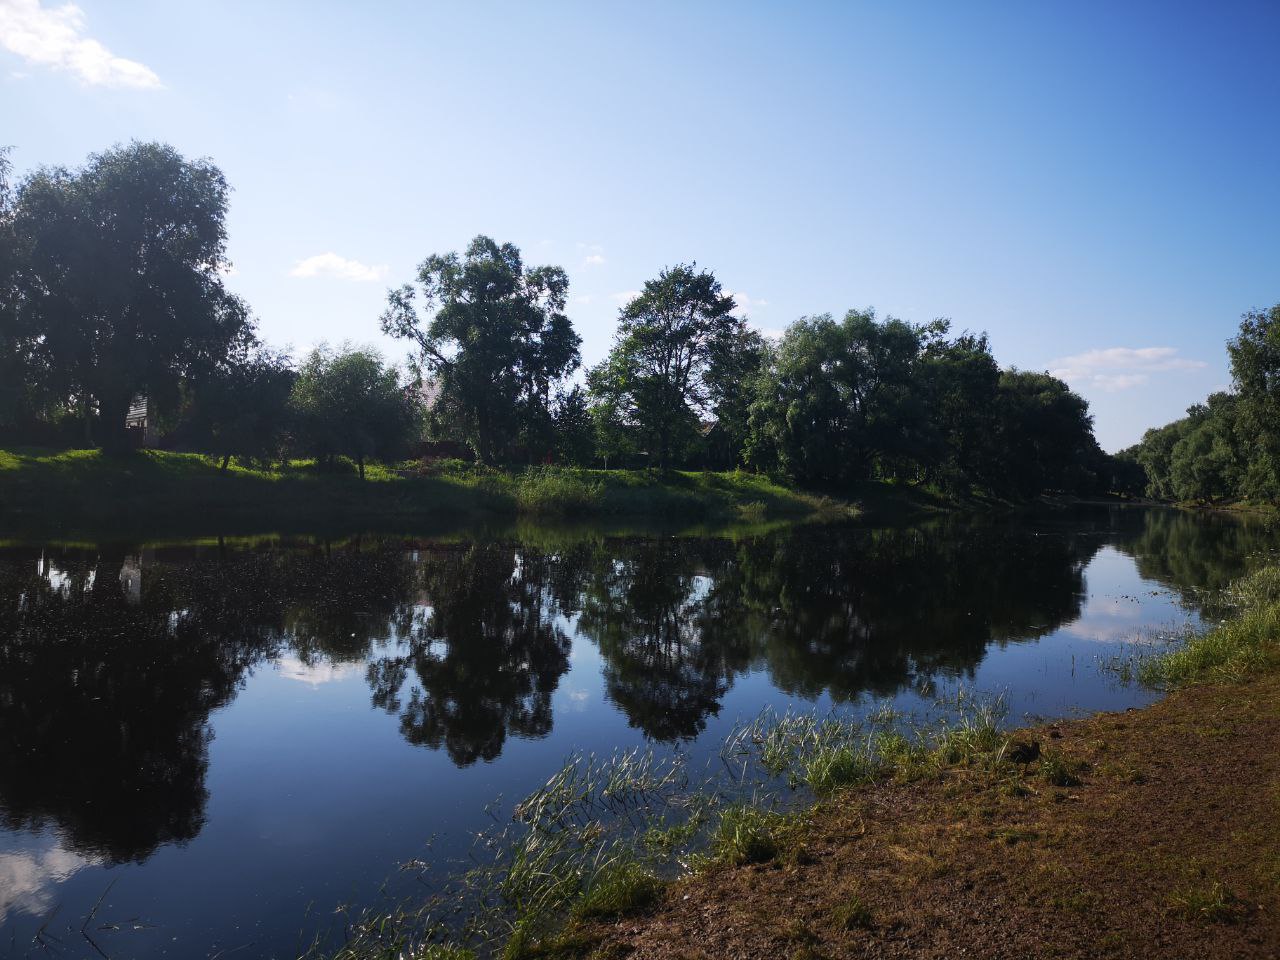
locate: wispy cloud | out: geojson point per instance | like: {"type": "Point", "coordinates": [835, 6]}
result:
{"type": "Point", "coordinates": [54, 37]}
{"type": "Point", "coordinates": [592, 254]}
{"type": "Point", "coordinates": [331, 265]}
{"type": "Point", "coordinates": [624, 297]}
{"type": "Point", "coordinates": [1120, 368]}
{"type": "Point", "coordinates": [745, 302]}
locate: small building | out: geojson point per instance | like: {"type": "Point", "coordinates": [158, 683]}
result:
{"type": "Point", "coordinates": [140, 422]}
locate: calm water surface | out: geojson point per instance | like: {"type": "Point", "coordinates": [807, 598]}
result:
{"type": "Point", "coordinates": [230, 739]}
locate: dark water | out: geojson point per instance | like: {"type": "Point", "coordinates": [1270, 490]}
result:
{"type": "Point", "coordinates": [228, 740]}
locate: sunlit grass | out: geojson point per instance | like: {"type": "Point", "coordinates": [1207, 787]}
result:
{"type": "Point", "coordinates": [57, 491]}
{"type": "Point", "coordinates": [1232, 651]}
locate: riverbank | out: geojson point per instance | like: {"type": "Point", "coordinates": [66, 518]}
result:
{"type": "Point", "coordinates": [1149, 833]}
{"type": "Point", "coordinates": [158, 493]}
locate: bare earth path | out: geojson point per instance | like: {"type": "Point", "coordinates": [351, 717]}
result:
{"type": "Point", "coordinates": [1169, 847]}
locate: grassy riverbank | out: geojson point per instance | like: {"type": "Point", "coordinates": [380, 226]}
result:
{"type": "Point", "coordinates": [153, 492]}
{"type": "Point", "coordinates": [1149, 833]}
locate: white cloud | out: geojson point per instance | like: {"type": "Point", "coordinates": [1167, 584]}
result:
{"type": "Point", "coordinates": [1120, 368]}
{"type": "Point", "coordinates": [314, 674]}
{"type": "Point", "coordinates": [745, 302]}
{"type": "Point", "coordinates": [625, 297]}
{"type": "Point", "coordinates": [54, 37]}
{"type": "Point", "coordinates": [28, 878]}
{"type": "Point", "coordinates": [593, 260]}
{"type": "Point", "coordinates": [331, 265]}
{"type": "Point", "coordinates": [581, 301]}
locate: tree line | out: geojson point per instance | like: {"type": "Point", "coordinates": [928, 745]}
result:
{"type": "Point", "coordinates": [112, 288]}
{"type": "Point", "coordinates": [1227, 448]}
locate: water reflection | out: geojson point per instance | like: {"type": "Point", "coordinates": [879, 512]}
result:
{"type": "Point", "coordinates": [112, 659]}
{"type": "Point", "coordinates": [485, 647]}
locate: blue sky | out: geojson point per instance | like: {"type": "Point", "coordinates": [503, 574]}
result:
{"type": "Point", "coordinates": [1097, 185]}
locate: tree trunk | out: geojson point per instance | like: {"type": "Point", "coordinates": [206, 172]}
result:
{"type": "Point", "coordinates": [112, 436]}
{"type": "Point", "coordinates": [226, 458]}
{"type": "Point", "coordinates": [360, 464]}
{"type": "Point", "coordinates": [88, 421]}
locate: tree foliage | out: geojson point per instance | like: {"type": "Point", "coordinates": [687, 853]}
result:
{"type": "Point", "coordinates": [243, 409]}
{"type": "Point", "coordinates": [496, 342]}
{"type": "Point", "coordinates": [121, 278]}
{"type": "Point", "coordinates": [672, 359]}
{"type": "Point", "coordinates": [1228, 447]}
{"type": "Point", "coordinates": [347, 403]}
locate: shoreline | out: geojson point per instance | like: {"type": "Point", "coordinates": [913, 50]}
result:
{"type": "Point", "coordinates": [1168, 846]}
{"type": "Point", "coordinates": [1152, 832]}
{"type": "Point", "coordinates": [151, 494]}
{"type": "Point", "coordinates": [81, 493]}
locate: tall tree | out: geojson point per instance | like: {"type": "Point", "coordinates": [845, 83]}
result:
{"type": "Point", "coordinates": [122, 273]}
{"type": "Point", "coordinates": [1255, 367]}
{"type": "Point", "coordinates": [497, 342]}
{"type": "Point", "coordinates": [963, 379]}
{"type": "Point", "coordinates": [348, 404]}
{"type": "Point", "coordinates": [1045, 434]}
{"type": "Point", "coordinates": [660, 374]}
{"type": "Point", "coordinates": [840, 399]}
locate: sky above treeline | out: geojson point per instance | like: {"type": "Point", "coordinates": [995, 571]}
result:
{"type": "Point", "coordinates": [1096, 185]}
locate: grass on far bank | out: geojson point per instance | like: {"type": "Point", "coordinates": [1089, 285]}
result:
{"type": "Point", "coordinates": [46, 492]}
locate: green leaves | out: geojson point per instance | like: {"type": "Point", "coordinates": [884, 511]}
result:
{"type": "Point", "coordinates": [347, 403]}
{"type": "Point", "coordinates": [672, 361]}
{"type": "Point", "coordinates": [121, 274]}
{"type": "Point", "coordinates": [496, 343]}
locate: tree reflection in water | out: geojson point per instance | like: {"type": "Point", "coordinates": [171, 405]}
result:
{"type": "Point", "coordinates": [111, 660]}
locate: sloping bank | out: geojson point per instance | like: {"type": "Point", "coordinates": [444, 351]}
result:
{"type": "Point", "coordinates": [1149, 833]}
{"type": "Point", "coordinates": [148, 493]}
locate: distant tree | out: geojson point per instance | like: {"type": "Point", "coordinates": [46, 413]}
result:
{"type": "Point", "coordinates": [1207, 462]}
{"type": "Point", "coordinates": [1255, 367]}
{"type": "Point", "coordinates": [659, 377]}
{"type": "Point", "coordinates": [1155, 455]}
{"type": "Point", "coordinates": [121, 281]}
{"type": "Point", "coordinates": [963, 380]}
{"type": "Point", "coordinates": [346, 403]}
{"type": "Point", "coordinates": [243, 409]}
{"type": "Point", "coordinates": [839, 399]}
{"type": "Point", "coordinates": [16, 368]}
{"type": "Point", "coordinates": [574, 428]}
{"type": "Point", "coordinates": [497, 343]}
{"type": "Point", "coordinates": [1045, 435]}
{"type": "Point", "coordinates": [737, 361]}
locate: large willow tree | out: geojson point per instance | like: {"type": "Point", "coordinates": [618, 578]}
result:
{"type": "Point", "coordinates": [119, 278]}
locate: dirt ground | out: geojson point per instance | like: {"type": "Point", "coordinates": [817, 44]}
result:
{"type": "Point", "coordinates": [1168, 847]}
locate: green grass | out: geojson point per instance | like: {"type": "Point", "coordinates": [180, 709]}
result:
{"type": "Point", "coordinates": [748, 834]}
{"type": "Point", "coordinates": [622, 887]}
{"type": "Point", "coordinates": [159, 493]}
{"type": "Point", "coordinates": [1245, 644]}
{"type": "Point", "coordinates": [853, 914]}
{"type": "Point", "coordinates": [1211, 904]}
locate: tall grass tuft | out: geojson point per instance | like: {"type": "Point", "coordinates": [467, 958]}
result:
{"type": "Point", "coordinates": [1232, 651]}
{"type": "Point", "coordinates": [548, 491]}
